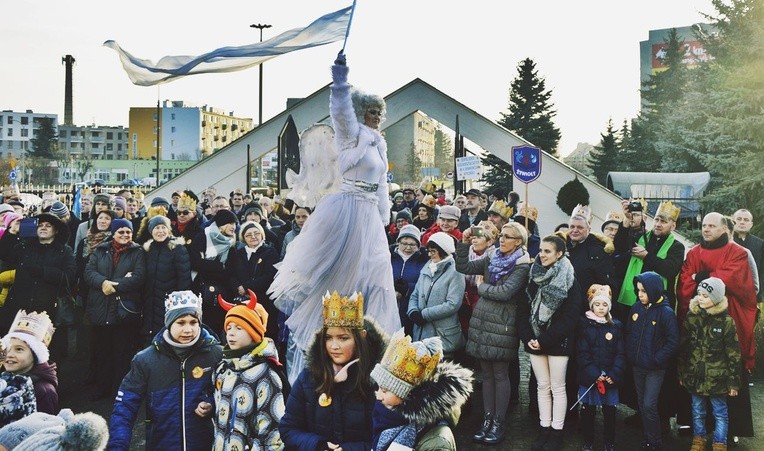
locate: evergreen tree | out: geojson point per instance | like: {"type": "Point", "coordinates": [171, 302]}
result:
{"type": "Point", "coordinates": [604, 157]}
{"type": "Point", "coordinates": [530, 116]}
{"type": "Point", "coordinates": [444, 151]}
{"type": "Point", "coordinates": [413, 171]}
{"type": "Point", "coordinates": [45, 141]}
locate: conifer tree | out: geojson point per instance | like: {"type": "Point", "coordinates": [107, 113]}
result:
{"type": "Point", "coordinates": [604, 157]}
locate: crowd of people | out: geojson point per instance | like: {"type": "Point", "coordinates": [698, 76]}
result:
{"type": "Point", "coordinates": [250, 322]}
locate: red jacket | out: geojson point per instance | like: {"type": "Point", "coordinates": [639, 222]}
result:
{"type": "Point", "coordinates": [729, 263]}
{"type": "Point", "coordinates": [456, 233]}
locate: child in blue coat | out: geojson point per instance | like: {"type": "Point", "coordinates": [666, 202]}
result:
{"type": "Point", "coordinates": [601, 361]}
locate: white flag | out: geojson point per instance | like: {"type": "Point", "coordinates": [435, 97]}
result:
{"type": "Point", "coordinates": [324, 30]}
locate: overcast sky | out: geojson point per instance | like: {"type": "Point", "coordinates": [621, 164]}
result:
{"type": "Point", "coordinates": [588, 52]}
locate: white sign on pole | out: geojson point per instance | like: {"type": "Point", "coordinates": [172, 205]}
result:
{"type": "Point", "coordinates": [468, 168]}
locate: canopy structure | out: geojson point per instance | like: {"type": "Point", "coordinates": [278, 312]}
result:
{"type": "Point", "coordinates": [683, 189]}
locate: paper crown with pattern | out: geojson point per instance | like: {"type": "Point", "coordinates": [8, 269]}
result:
{"type": "Point", "coordinates": [614, 215]}
{"type": "Point", "coordinates": [186, 202]}
{"type": "Point", "coordinates": [427, 187]}
{"type": "Point", "coordinates": [33, 328]}
{"type": "Point", "coordinates": [343, 311]}
{"type": "Point", "coordinates": [582, 211]}
{"type": "Point", "coordinates": [405, 364]}
{"type": "Point", "coordinates": [527, 211]}
{"type": "Point", "coordinates": [599, 290]}
{"type": "Point", "coordinates": [182, 299]}
{"type": "Point", "coordinates": [428, 201]}
{"type": "Point", "coordinates": [669, 210]}
{"type": "Point", "coordinates": [501, 208]}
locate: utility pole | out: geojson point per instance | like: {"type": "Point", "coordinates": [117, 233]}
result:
{"type": "Point", "coordinates": [260, 27]}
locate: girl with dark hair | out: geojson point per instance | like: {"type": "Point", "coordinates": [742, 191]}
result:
{"type": "Point", "coordinates": [331, 401]}
{"type": "Point", "coordinates": [546, 324]}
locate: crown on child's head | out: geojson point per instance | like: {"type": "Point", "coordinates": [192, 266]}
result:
{"type": "Point", "coordinates": [408, 362]}
{"type": "Point", "coordinates": [668, 210]}
{"type": "Point", "coordinates": [343, 311]}
{"type": "Point", "coordinates": [183, 299]}
{"type": "Point", "coordinates": [37, 325]}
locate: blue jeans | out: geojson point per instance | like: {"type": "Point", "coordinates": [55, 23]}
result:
{"type": "Point", "coordinates": [648, 386]}
{"type": "Point", "coordinates": [719, 411]}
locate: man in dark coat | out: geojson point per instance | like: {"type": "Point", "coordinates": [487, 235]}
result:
{"type": "Point", "coordinates": [472, 214]}
{"type": "Point", "coordinates": [743, 224]}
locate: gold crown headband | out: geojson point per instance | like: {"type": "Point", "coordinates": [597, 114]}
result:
{"type": "Point", "coordinates": [669, 210]}
{"type": "Point", "coordinates": [404, 361]}
{"type": "Point", "coordinates": [343, 311]}
{"type": "Point", "coordinates": [38, 325]}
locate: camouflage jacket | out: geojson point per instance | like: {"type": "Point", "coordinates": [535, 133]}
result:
{"type": "Point", "coordinates": [709, 351]}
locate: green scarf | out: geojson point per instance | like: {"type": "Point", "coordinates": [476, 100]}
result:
{"type": "Point", "coordinates": [627, 295]}
{"type": "Point", "coordinates": [229, 353]}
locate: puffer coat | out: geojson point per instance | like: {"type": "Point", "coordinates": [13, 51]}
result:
{"type": "Point", "coordinates": [493, 333]}
{"type": "Point", "coordinates": [168, 269]}
{"type": "Point", "coordinates": [129, 273]}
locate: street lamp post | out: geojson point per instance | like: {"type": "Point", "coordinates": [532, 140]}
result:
{"type": "Point", "coordinates": [260, 26]}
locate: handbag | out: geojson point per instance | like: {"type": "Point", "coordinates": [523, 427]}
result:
{"type": "Point", "coordinates": [65, 307]}
{"type": "Point", "coordinates": [209, 294]}
{"type": "Point", "coordinates": [127, 310]}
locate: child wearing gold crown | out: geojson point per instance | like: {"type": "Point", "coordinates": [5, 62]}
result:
{"type": "Point", "coordinates": [26, 354]}
{"type": "Point", "coordinates": [249, 383]}
{"type": "Point", "coordinates": [420, 396]}
{"type": "Point", "coordinates": [174, 374]}
{"type": "Point", "coordinates": [330, 404]}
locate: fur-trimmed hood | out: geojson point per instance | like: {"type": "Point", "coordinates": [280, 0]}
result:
{"type": "Point", "coordinates": [172, 241]}
{"type": "Point", "coordinates": [605, 241]}
{"type": "Point", "coordinates": [376, 337]}
{"type": "Point", "coordinates": [717, 309]}
{"type": "Point", "coordinates": [440, 397]}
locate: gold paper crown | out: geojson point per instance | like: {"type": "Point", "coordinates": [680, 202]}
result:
{"type": "Point", "coordinates": [343, 311]}
{"type": "Point", "coordinates": [186, 202]}
{"type": "Point", "coordinates": [501, 208]}
{"type": "Point", "coordinates": [583, 211]}
{"type": "Point", "coordinates": [531, 213]}
{"type": "Point", "coordinates": [182, 299]}
{"type": "Point", "coordinates": [427, 187]}
{"type": "Point", "coordinates": [428, 201]}
{"type": "Point", "coordinates": [405, 361]}
{"type": "Point", "coordinates": [38, 325]}
{"type": "Point", "coordinates": [614, 215]}
{"type": "Point", "coordinates": [669, 210]}
{"type": "Point", "coordinates": [597, 289]}
{"type": "Point", "coordinates": [489, 228]}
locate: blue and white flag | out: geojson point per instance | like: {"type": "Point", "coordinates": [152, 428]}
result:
{"type": "Point", "coordinates": [324, 30]}
{"type": "Point", "coordinates": [77, 204]}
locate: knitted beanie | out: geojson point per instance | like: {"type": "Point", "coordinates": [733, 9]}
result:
{"type": "Point", "coordinates": [5, 208]}
{"type": "Point", "coordinates": [182, 303]}
{"type": "Point", "coordinates": [59, 209]}
{"type": "Point", "coordinates": [249, 225]}
{"type": "Point", "coordinates": [223, 217]}
{"type": "Point", "coordinates": [120, 202]}
{"type": "Point", "coordinates": [444, 241]}
{"type": "Point", "coordinates": [160, 201]}
{"type": "Point", "coordinates": [252, 321]}
{"type": "Point", "coordinates": [12, 434]}
{"type": "Point", "coordinates": [104, 198]}
{"type": "Point", "coordinates": [120, 223]}
{"type": "Point", "coordinates": [404, 214]}
{"type": "Point", "coordinates": [83, 431]}
{"type": "Point", "coordinates": [10, 217]}
{"type": "Point", "coordinates": [714, 287]}
{"type": "Point", "coordinates": [156, 220]}
{"type": "Point", "coordinates": [411, 231]}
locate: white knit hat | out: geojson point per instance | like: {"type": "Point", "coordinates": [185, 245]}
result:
{"type": "Point", "coordinates": [444, 241]}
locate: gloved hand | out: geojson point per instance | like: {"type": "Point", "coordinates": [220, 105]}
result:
{"type": "Point", "coordinates": [401, 286]}
{"type": "Point", "coordinates": [417, 317]}
{"type": "Point", "coordinates": [341, 60]}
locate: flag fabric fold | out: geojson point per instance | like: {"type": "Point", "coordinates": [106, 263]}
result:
{"type": "Point", "coordinates": [324, 30]}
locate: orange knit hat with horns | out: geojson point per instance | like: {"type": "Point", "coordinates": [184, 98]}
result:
{"type": "Point", "coordinates": [251, 317]}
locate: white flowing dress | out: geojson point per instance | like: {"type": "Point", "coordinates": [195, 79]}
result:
{"type": "Point", "coordinates": [342, 246]}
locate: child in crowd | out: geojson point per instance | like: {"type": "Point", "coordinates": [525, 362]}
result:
{"type": "Point", "coordinates": [601, 363]}
{"type": "Point", "coordinates": [174, 375]}
{"type": "Point", "coordinates": [330, 403]}
{"type": "Point", "coordinates": [26, 348]}
{"type": "Point", "coordinates": [420, 397]}
{"type": "Point", "coordinates": [652, 340]}
{"type": "Point", "coordinates": [249, 398]}
{"type": "Point", "coordinates": [709, 361]}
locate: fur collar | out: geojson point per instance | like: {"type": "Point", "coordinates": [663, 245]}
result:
{"type": "Point", "coordinates": [696, 309]}
{"type": "Point", "coordinates": [439, 398]}
{"type": "Point", "coordinates": [375, 336]}
{"type": "Point", "coordinates": [171, 243]}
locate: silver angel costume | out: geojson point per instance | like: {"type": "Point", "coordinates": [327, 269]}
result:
{"type": "Point", "coordinates": [342, 245]}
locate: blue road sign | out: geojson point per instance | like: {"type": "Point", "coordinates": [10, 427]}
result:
{"type": "Point", "coordinates": [526, 163]}
{"type": "Point", "coordinates": [390, 177]}
{"type": "Point", "coordinates": [12, 175]}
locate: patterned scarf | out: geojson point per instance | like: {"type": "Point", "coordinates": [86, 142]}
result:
{"type": "Point", "coordinates": [94, 239]}
{"type": "Point", "coordinates": [553, 285]}
{"type": "Point", "coordinates": [501, 265]}
{"type": "Point", "coordinates": [118, 250]}
{"type": "Point", "coordinates": [218, 244]}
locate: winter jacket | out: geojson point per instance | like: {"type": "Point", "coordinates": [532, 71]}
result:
{"type": "Point", "coordinates": [709, 351]}
{"type": "Point", "coordinates": [251, 421]}
{"type": "Point", "coordinates": [493, 327]}
{"type": "Point", "coordinates": [288, 237]}
{"type": "Point", "coordinates": [559, 337]}
{"type": "Point", "coordinates": [210, 272]}
{"type": "Point", "coordinates": [102, 309]}
{"type": "Point", "coordinates": [432, 410]}
{"type": "Point", "coordinates": [42, 273]}
{"type": "Point", "coordinates": [464, 219]}
{"type": "Point", "coordinates": [347, 420]}
{"type": "Point", "coordinates": [255, 273]}
{"type": "Point", "coordinates": [592, 263]}
{"type": "Point", "coordinates": [438, 298]}
{"type": "Point", "coordinates": [599, 347]}
{"type": "Point", "coordinates": [456, 234]}
{"type": "Point", "coordinates": [45, 382]}
{"type": "Point", "coordinates": [172, 389]}
{"type": "Point", "coordinates": [405, 276]}
{"type": "Point", "coordinates": [652, 334]}
{"type": "Point", "coordinates": [168, 269]}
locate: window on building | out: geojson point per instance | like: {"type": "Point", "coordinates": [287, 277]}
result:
{"type": "Point", "coordinates": [109, 157]}
{"type": "Point", "coordinates": [24, 120]}
{"type": "Point", "coordinates": [172, 116]}
{"type": "Point", "coordinates": [109, 135]}
{"type": "Point", "coordinates": [24, 145]}
{"type": "Point", "coordinates": [62, 145]}
{"type": "Point", "coordinates": [10, 120]}
{"type": "Point", "coordinates": [109, 147]}
{"type": "Point", "coordinates": [95, 145]}
{"type": "Point", "coordinates": [24, 133]}
{"type": "Point", "coordinates": [172, 156]}
{"type": "Point", "coordinates": [172, 143]}
{"type": "Point", "coordinates": [96, 134]}
{"type": "Point", "coordinates": [62, 133]}
{"type": "Point", "coordinates": [172, 129]}
{"type": "Point", "coordinates": [10, 132]}
{"type": "Point", "coordinates": [119, 147]}
{"type": "Point", "coordinates": [155, 117]}
{"type": "Point", "coordinates": [10, 145]}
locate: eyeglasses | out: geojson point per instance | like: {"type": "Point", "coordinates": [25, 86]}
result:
{"type": "Point", "coordinates": [124, 232]}
{"type": "Point", "coordinates": [184, 213]}
{"type": "Point", "coordinates": [509, 237]}
{"type": "Point", "coordinates": [374, 112]}
{"type": "Point", "coordinates": [252, 235]}
{"type": "Point", "coordinates": [407, 244]}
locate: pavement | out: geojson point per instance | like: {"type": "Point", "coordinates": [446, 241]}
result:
{"type": "Point", "coordinates": [521, 426]}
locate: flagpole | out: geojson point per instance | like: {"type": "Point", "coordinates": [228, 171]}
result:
{"type": "Point", "coordinates": [347, 32]}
